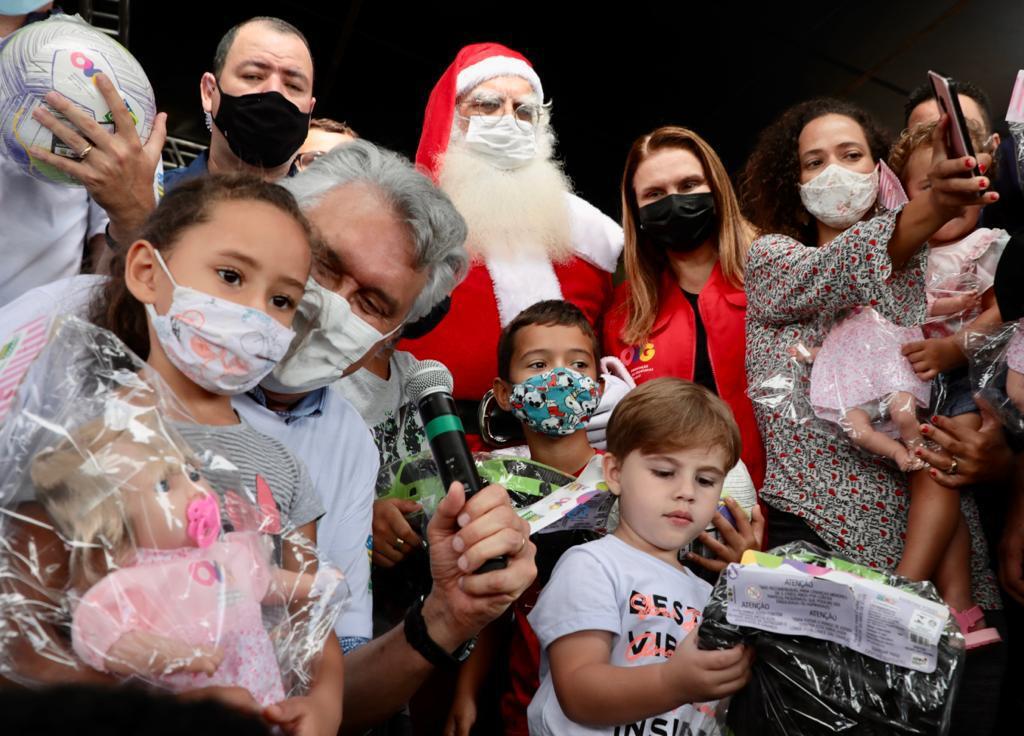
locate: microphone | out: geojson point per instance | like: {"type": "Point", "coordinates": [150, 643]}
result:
{"type": "Point", "coordinates": [430, 387]}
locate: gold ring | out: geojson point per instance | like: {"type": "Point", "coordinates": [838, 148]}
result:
{"type": "Point", "coordinates": [85, 152]}
{"type": "Point", "coordinates": [953, 467]}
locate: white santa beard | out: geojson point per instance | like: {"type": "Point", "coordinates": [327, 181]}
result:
{"type": "Point", "coordinates": [510, 213]}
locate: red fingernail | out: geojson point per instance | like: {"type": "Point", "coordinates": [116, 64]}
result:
{"type": "Point", "coordinates": [983, 184]}
{"type": "Point", "coordinates": [982, 167]}
{"type": "Point", "coordinates": [935, 417]}
{"type": "Point", "coordinates": [969, 163]}
{"type": "Point", "coordinates": [918, 453]}
{"type": "Point", "coordinates": [925, 430]}
{"type": "Point", "coordinates": [933, 474]}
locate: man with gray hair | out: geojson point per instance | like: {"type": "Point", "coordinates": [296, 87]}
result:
{"type": "Point", "coordinates": [392, 249]}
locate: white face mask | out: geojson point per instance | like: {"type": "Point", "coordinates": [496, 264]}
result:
{"type": "Point", "coordinates": [224, 347]}
{"type": "Point", "coordinates": [839, 197]}
{"type": "Point", "coordinates": [335, 340]}
{"type": "Point", "coordinates": [506, 144]}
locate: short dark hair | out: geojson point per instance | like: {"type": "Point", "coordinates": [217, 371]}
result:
{"type": "Point", "coordinates": [220, 56]}
{"type": "Point", "coordinates": [923, 93]}
{"type": "Point", "coordinates": [549, 313]}
{"type": "Point", "coordinates": [332, 126]}
{"type": "Point", "coordinates": [112, 709]}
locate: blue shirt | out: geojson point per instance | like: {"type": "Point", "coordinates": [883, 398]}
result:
{"type": "Point", "coordinates": [200, 166]}
{"type": "Point", "coordinates": [310, 405]}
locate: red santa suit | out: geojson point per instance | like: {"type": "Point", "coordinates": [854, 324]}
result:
{"type": "Point", "coordinates": [495, 289]}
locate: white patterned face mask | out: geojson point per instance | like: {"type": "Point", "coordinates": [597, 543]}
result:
{"type": "Point", "coordinates": [335, 339]}
{"type": "Point", "coordinates": [839, 197]}
{"type": "Point", "coordinates": [224, 347]}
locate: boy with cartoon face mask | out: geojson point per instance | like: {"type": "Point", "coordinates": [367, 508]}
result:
{"type": "Point", "coordinates": [548, 379]}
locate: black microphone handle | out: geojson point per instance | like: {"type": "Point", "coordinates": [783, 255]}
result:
{"type": "Point", "coordinates": [447, 439]}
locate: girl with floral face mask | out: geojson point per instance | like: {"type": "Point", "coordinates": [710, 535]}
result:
{"type": "Point", "coordinates": [829, 253]}
{"type": "Point", "coordinates": [207, 295]}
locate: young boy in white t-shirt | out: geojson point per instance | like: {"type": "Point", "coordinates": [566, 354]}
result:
{"type": "Point", "coordinates": [617, 622]}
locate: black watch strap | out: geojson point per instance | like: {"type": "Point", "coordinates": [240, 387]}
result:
{"type": "Point", "coordinates": [418, 638]}
{"type": "Point", "coordinates": [111, 243]}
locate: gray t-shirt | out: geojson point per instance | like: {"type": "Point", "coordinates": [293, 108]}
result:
{"type": "Point", "coordinates": [255, 454]}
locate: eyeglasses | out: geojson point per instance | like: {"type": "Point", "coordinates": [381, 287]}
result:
{"type": "Point", "coordinates": [305, 159]}
{"type": "Point", "coordinates": [491, 109]}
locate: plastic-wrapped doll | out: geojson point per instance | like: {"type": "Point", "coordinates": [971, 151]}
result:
{"type": "Point", "coordinates": [865, 358]}
{"type": "Point", "coordinates": [860, 375]}
{"type": "Point", "coordinates": [159, 593]}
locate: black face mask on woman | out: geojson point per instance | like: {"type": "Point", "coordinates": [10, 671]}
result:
{"type": "Point", "coordinates": [262, 128]}
{"type": "Point", "coordinates": [679, 222]}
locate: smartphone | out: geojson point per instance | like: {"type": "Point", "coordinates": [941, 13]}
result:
{"type": "Point", "coordinates": [958, 137]}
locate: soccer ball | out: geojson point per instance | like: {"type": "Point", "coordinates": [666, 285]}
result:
{"type": "Point", "coordinates": [64, 53]}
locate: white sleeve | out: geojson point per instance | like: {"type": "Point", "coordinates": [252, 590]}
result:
{"type": "Point", "coordinates": [97, 220]}
{"type": "Point", "coordinates": [580, 596]}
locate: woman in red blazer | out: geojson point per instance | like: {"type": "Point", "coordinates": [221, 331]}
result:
{"type": "Point", "coordinates": [681, 311]}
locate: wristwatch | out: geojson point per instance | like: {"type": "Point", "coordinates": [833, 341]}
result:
{"type": "Point", "coordinates": [418, 638]}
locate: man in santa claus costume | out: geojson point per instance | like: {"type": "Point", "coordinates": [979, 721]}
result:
{"type": "Point", "coordinates": [488, 142]}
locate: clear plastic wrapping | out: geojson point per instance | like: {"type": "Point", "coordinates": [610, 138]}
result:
{"type": "Point", "coordinates": [859, 382]}
{"type": "Point", "coordinates": [126, 551]}
{"type": "Point", "coordinates": [812, 684]}
{"type": "Point", "coordinates": [996, 360]}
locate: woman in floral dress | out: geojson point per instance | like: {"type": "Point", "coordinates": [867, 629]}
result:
{"type": "Point", "coordinates": [811, 186]}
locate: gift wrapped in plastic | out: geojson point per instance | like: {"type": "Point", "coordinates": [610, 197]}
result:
{"type": "Point", "coordinates": [839, 648]}
{"type": "Point", "coordinates": [996, 358]}
{"type": "Point", "coordinates": [562, 510]}
{"type": "Point", "coordinates": [128, 552]}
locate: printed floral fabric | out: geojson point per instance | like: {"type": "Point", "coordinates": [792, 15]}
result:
{"type": "Point", "coordinates": [855, 501]}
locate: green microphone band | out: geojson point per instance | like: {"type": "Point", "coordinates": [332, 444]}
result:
{"type": "Point", "coordinates": [442, 424]}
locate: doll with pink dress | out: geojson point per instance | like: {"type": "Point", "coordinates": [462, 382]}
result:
{"type": "Point", "coordinates": [158, 592]}
{"type": "Point", "coordinates": [872, 377]}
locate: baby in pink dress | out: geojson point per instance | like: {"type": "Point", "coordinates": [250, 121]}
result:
{"type": "Point", "coordinates": [158, 591]}
{"type": "Point", "coordinates": [868, 367]}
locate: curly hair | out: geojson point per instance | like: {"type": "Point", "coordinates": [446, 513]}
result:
{"type": "Point", "coordinates": [769, 185]}
{"type": "Point", "coordinates": [920, 136]}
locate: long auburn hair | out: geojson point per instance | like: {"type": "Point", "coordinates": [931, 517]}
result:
{"type": "Point", "coordinates": [645, 262]}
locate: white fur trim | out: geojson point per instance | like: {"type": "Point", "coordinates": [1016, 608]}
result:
{"type": "Point", "coordinates": [497, 66]}
{"type": "Point", "coordinates": [596, 238]}
{"type": "Point", "coordinates": [521, 283]}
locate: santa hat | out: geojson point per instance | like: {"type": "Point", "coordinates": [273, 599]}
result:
{"type": "Point", "coordinates": [473, 64]}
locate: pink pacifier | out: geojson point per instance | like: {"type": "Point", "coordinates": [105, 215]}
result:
{"type": "Point", "coordinates": [203, 520]}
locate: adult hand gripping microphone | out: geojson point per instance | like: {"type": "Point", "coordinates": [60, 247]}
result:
{"type": "Point", "coordinates": [430, 386]}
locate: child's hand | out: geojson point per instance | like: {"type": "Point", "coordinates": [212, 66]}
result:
{"type": "Point", "coordinates": [144, 653]}
{"type": "Point", "coordinates": [931, 357]}
{"type": "Point", "coordinates": [747, 534]}
{"type": "Point", "coordinates": [305, 715]}
{"type": "Point", "coordinates": [700, 675]}
{"type": "Point", "coordinates": [803, 353]}
{"type": "Point", "coordinates": [393, 538]}
{"type": "Point", "coordinates": [461, 717]}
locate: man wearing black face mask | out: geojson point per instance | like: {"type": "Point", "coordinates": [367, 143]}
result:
{"type": "Point", "coordinates": [258, 100]}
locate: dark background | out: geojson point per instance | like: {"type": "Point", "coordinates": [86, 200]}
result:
{"type": "Point", "coordinates": [724, 69]}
